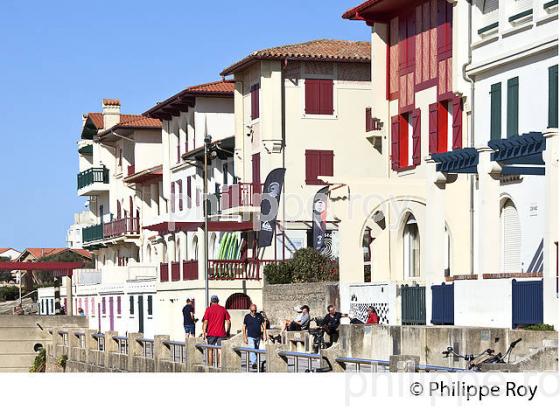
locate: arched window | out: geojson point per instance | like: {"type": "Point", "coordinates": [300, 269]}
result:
{"type": "Point", "coordinates": [447, 252]}
{"type": "Point", "coordinates": [149, 253]}
{"type": "Point", "coordinates": [195, 248]}
{"type": "Point", "coordinates": [238, 301]}
{"type": "Point", "coordinates": [178, 254]}
{"type": "Point", "coordinates": [119, 211]}
{"type": "Point", "coordinates": [366, 248]}
{"type": "Point", "coordinates": [164, 252]}
{"type": "Point", "coordinates": [411, 248]}
{"type": "Point", "coordinates": [511, 238]}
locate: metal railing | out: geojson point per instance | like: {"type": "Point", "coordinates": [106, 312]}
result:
{"type": "Point", "coordinates": [81, 339]}
{"type": "Point", "coordinates": [245, 353]}
{"type": "Point", "coordinates": [177, 351]}
{"type": "Point", "coordinates": [309, 362]}
{"type": "Point", "coordinates": [147, 347]}
{"type": "Point", "coordinates": [64, 335]}
{"type": "Point", "coordinates": [359, 364]}
{"type": "Point", "coordinates": [121, 227]}
{"type": "Point", "coordinates": [433, 368]}
{"type": "Point", "coordinates": [93, 175]}
{"type": "Point", "coordinates": [235, 195]}
{"type": "Point", "coordinates": [216, 350]}
{"type": "Point", "coordinates": [190, 270]}
{"type": "Point", "coordinates": [122, 344]}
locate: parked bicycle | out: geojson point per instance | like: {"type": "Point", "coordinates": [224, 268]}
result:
{"type": "Point", "coordinates": [474, 362]}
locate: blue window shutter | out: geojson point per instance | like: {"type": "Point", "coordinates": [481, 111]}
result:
{"type": "Point", "coordinates": [513, 107]}
{"type": "Point", "coordinates": [553, 97]}
{"type": "Point", "coordinates": [496, 111]}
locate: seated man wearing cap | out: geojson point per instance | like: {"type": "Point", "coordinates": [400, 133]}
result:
{"type": "Point", "coordinates": [301, 321]}
{"type": "Point", "coordinates": [215, 326]}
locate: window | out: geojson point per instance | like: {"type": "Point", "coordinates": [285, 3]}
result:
{"type": "Point", "coordinates": [172, 197]}
{"type": "Point", "coordinates": [366, 249]}
{"type": "Point", "coordinates": [445, 29]}
{"type": "Point", "coordinates": [496, 111]}
{"type": "Point", "coordinates": [446, 125]}
{"type": "Point", "coordinates": [511, 238]}
{"type": "Point", "coordinates": [118, 305]}
{"type": "Point", "coordinates": [189, 192]}
{"type": "Point", "coordinates": [405, 140]}
{"type": "Point", "coordinates": [92, 306]}
{"type": "Point", "coordinates": [225, 173]}
{"type": "Point", "coordinates": [553, 97]}
{"type": "Point", "coordinates": [411, 246]}
{"type": "Point", "coordinates": [318, 163]}
{"type": "Point", "coordinates": [103, 307]}
{"type": "Point", "coordinates": [131, 304]}
{"type": "Point", "coordinates": [255, 107]}
{"type": "Point", "coordinates": [238, 301]}
{"type": "Point", "coordinates": [319, 97]}
{"type": "Point", "coordinates": [150, 307]}
{"type": "Point", "coordinates": [178, 139]}
{"type": "Point", "coordinates": [513, 107]}
{"type": "Point", "coordinates": [407, 34]}
{"type": "Point", "coordinates": [180, 194]}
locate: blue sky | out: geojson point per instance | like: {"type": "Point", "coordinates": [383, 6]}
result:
{"type": "Point", "coordinates": [59, 58]}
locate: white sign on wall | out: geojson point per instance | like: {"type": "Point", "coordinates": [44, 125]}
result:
{"type": "Point", "coordinates": [382, 296]}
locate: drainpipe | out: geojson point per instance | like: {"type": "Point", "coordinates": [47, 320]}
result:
{"type": "Point", "coordinates": [283, 113]}
{"type": "Point", "coordinates": [470, 141]}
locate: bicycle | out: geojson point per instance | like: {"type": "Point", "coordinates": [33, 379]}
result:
{"type": "Point", "coordinates": [474, 362]}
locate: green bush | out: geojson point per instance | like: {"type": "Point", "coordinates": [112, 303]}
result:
{"type": "Point", "coordinates": [307, 265]}
{"type": "Point", "coordinates": [539, 326]}
{"type": "Point", "coordinates": [8, 293]}
{"type": "Point", "coordinates": [40, 362]}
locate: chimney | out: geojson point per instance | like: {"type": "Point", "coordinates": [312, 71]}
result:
{"type": "Point", "coordinates": [111, 112]}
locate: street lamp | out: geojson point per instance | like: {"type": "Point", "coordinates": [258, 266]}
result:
{"type": "Point", "coordinates": [208, 150]}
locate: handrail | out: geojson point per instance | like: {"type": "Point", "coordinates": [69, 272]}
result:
{"type": "Point", "coordinates": [79, 334]}
{"type": "Point", "coordinates": [145, 340]}
{"type": "Point", "coordinates": [207, 346]}
{"type": "Point", "coordinates": [173, 343]}
{"type": "Point", "coordinates": [117, 338]}
{"type": "Point", "coordinates": [98, 335]}
{"type": "Point", "coordinates": [249, 350]}
{"type": "Point", "coordinates": [62, 332]}
{"type": "Point", "coordinates": [428, 367]}
{"type": "Point", "coordinates": [357, 360]}
{"type": "Point", "coordinates": [286, 353]}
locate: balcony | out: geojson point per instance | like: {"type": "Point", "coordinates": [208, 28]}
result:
{"type": "Point", "coordinates": [163, 272]}
{"type": "Point", "coordinates": [120, 227]}
{"type": "Point", "coordinates": [237, 269]}
{"type": "Point", "coordinates": [175, 271]}
{"type": "Point", "coordinates": [93, 181]}
{"type": "Point", "coordinates": [92, 233]}
{"type": "Point", "coordinates": [238, 195]}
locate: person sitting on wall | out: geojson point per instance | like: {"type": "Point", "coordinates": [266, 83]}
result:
{"type": "Point", "coordinates": [301, 321]}
{"type": "Point", "coordinates": [81, 312]}
{"type": "Point", "coordinates": [373, 317]}
{"type": "Point", "coordinates": [331, 322]}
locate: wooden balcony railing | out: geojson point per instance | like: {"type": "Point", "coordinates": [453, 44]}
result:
{"type": "Point", "coordinates": [175, 271]}
{"type": "Point", "coordinates": [163, 272]}
{"type": "Point", "coordinates": [93, 175]}
{"type": "Point", "coordinates": [121, 227]}
{"type": "Point", "coordinates": [190, 270]}
{"type": "Point", "coordinates": [248, 269]}
{"type": "Point", "coordinates": [237, 195]}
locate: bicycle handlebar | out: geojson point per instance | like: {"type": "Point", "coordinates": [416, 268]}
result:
{"type": "Point", "coordinates": [515, 342]}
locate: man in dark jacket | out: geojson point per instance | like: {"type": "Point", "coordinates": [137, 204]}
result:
{"type": "Point", "coordinates": [188, 318]}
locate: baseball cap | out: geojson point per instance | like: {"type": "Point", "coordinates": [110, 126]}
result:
{"type": "Point", "coordinates": [214, 299]}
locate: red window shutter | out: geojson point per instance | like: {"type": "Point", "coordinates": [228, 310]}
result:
{"type": "Point", "coordinates": [444, 29]}
{"type": "Point", "coordinates": [255, 107]}
{"type": "Point", "coordinates": [256, 164]}
{"type": "Point", "coordinates": [326, 166]}
{"type": "Point", "coordinates": [433, 137]}
{"type": "Point", "coordinates": [189, 192]}
{"type": "Point", "coordinates": [369, 123]}
{"type": "Point", "coordinates": [403, 45]}
{"type": "Point", "coordinates": [326, 97]}
{"type": "Point", "coordinates": [411, 39]}
{"type": "Point", "coordinates": [312, 167]}
{"type": "Point", "coordinates": [416, 140]}
{"type": "Point", "coordinates": [172, 197]}
{"type": "Point", "coordinates": [319, 97]}
{"type": "Point", "coordinates": [442, 115]}
{"type": "Point", "coordinates": [457, 123]}
{"type": "Point", "coordinates": [180, 194]}
{"type": "Point", "coordinates": [395, 136]}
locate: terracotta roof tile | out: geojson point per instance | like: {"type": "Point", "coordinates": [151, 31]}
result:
{"type": "Point", "coordinates": [37, 253]}
{"type": "Point", "coordinates": [223, 88]}
{"type": "Point", "coordinates": [316, 50]}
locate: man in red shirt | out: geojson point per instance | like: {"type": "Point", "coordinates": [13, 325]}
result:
{"type": "Point", "coordinates": [215, 327]}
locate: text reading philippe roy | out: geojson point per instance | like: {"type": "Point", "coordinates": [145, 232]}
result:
{"type": "Point", "coordinates": [475, 392]}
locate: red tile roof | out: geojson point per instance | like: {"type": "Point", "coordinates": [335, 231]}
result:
{"type": "Point", "coordinates": [38, 253]}
{"type": "Point", "coordinates": [97, 119]}
{"type": "Point", "coordinates": [145, 175]}
{"type": "Point", "coordinates": [2, 250]}
{"type": "Point", "coordinates": [223, 88]}
{"type": "Point", "coordinates": [316, 50]}
{"type": "Point", "coordinates": [374, 11]}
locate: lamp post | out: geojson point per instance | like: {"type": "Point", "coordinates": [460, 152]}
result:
{"type": "Point", "coordinates": [207, 148]}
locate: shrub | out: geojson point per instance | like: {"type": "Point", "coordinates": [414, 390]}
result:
{"type": "Point", "coordinates": [539, 326]}
{"type": "Point", "coordinates": [40, 362]}
{"type": "Point", "coordinates": [8, 293]}
{"type": "Point", "coordinates": [278, 274]}
{"type": "Point", "coordinates": [307, 265]}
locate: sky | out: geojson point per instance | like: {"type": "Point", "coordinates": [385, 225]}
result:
{"type": "Point", "coordinates": [60, 58]}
